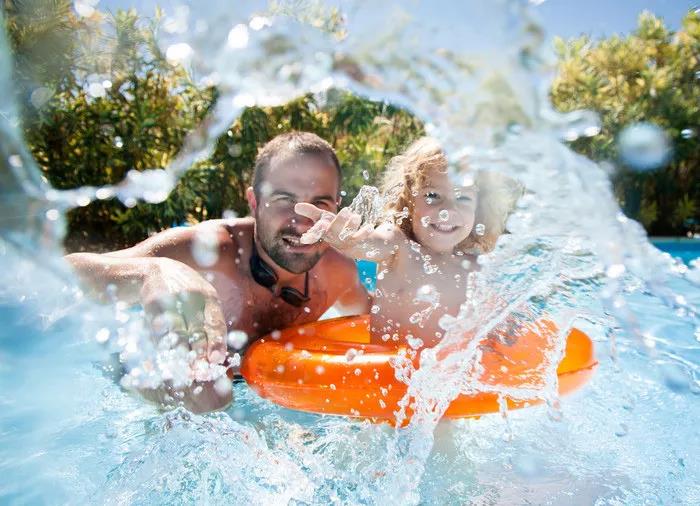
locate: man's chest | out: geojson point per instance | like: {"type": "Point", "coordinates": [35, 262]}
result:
{"type": "Point", "coordinates": [256, 311]}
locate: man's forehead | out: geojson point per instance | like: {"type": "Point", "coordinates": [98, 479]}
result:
{"type": "Point", "coordinates": [301, 173]}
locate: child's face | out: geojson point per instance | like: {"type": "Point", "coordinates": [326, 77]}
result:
{"type": "Point", "coordinates": [443, 213]}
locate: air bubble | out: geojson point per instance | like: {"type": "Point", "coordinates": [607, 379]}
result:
{"type": "Point", "coordinates": [480, 229]}
{"type": "Point", "coordinates": [687, 133]}
{"type": "Point", "coordinates": [444, 215]}
{"type": "Point", "coordinates": [425, 221]}
{"type": "Point", "coordinates": [374, 309]}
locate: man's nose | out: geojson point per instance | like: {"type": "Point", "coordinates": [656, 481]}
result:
{"type": "Point", "coordinates": [301, 223]}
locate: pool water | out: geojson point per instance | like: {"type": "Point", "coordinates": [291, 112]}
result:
{"type": "Point", "coordinates": [687, 250]}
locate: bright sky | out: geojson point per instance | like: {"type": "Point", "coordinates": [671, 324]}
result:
{"type": "Point", "coordinates": [566, 18]}
{"type": "Point", "coordinates": [569, 18]}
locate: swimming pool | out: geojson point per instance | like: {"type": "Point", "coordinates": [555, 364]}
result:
{"type": "Point", "coordinates": [687, 250]}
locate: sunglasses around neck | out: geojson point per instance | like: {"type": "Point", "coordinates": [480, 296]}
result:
{"type": "Point", "coordinates": [264, 275]}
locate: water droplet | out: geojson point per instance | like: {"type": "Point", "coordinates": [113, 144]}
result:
{"type": "Point", "coordinates": [279, 368]}
{"type": "Point", "coordinates": [480, 229]}
{"type": "Point", "coordinates": [102, 335]}
{"type": "Point", "coordinates": [104, 193]}
{"type": "Point", "coordinates": [622, 430]}
{"type": "Point", "coordinates": [365, 175]}
{"type": "Point", "coordinates": [40, 96]}
{"type": "Point", "coordinates": [687, 133]}
{"type": "Point", "coordinates": [52, 214]}
{"type": "Point", "coordinates": [444, 215]}
{"type": "Point", "coordinates": [644, 146]}
{"type": "Point", "coordinates": [466, 264]}
{"type": "Point", "coordinates": [350, 355]}
{"type": "Point", "coordinates": [615, 271]}
{"type": "Point", "coordinates": [259, 22]}
{"type": "Point", "coordinates": [275, 334]}
{"type": "Point", "coordinates": [205, 246]}
{"type": "Point", "coordinates": [320, 369]}
{"type": "Point", "coordinates": [675, 378]}
{"type": "Point", "coordinates": [386, 337]}
{"type": "Point", "coordinates": [414, 342]}
{"type": "Point", "coordinates": [15, 161]}
{"type": "Point", "coordinates": [179, 53]}
{"type": "Point", "coordinates": [307, 309]}
{"type": "Point", "coordinates": [357, 371]}
{"type": "Point", "coordinates": [425, 220]}
{"type": "Point", "coordinates": [237, 339]}
{"type": "Point", "coordinates": [118, 142]}
{"type": "Point", "coordinates": [235, 360]}
{"type": "Point", "coordinates": [374, 309]}
{"type": "Point", "coordinates": [223, 386]}
{"type": "Point", "coordinates": [343, 193]}
{"type": "Point", "coordinates": [238, 37]}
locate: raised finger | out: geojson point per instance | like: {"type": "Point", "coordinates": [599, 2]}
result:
{"type": "Point", "coordinates": [342, 222]}
{"type": "Point", "coordinates": [309, 211]}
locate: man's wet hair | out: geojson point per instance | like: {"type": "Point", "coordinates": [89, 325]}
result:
{"type": "Point", "coordinates": [290, 144]}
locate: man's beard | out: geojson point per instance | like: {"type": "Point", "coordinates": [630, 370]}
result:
{"type": "Point", "coordinates": [277, 250]}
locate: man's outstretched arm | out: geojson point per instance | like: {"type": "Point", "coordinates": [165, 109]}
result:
{"type": "Point", "coordinates": [177, 300]}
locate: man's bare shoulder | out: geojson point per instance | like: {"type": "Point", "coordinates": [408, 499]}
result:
{"type": "Point", "coordinates": [178, 242]}
{"type": "Point", "coordinates": [338, 266]}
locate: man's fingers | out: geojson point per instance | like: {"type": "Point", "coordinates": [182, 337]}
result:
{"type": "Point", "coordinates": [215, 326]}
{"type": "Point", "coordinates": [342, 226]}
{"type": "Point", "coordinates": [319, 229]}
{"type": "Point", "coordinates": [363, 233]}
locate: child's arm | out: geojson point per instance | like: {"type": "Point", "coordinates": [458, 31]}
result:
{"type": "Point", "coordinates": [343, 232]}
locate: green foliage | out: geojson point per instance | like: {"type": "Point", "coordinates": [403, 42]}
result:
{"type": "Point", "coordinates": [651, 75]}
{"type": "Point", "coordinates": [140, 121]}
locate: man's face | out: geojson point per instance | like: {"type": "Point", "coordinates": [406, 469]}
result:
{"type": "Point", "coordinates": [288, 181]}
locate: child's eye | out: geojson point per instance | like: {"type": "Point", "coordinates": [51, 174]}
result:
{"type": "Point", "coordinates": [431, 197]}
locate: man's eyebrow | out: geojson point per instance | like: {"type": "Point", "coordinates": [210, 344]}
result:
{"type": "Point", "coordinates": [325, 197]}
{"type": "Point", "coordinates": [282, 193]}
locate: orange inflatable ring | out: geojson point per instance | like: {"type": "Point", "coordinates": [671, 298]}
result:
{"type": "Point", "coordinates": [306, 368]}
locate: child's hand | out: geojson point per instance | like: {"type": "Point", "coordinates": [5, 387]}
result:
{"type": "Point", "coordinates": [342, 230]}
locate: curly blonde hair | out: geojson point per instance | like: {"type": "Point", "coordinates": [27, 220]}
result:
{"type": "Point", "coordinates": [408, 172]}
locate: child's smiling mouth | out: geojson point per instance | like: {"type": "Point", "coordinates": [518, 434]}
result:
{"type": "Point", "coordinates": [444, 228]}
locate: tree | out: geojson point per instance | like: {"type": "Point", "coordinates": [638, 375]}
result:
{"type": "Point", "coordinates": [652, 75]}
{"type": "Point", "coordinates": [118, 105]}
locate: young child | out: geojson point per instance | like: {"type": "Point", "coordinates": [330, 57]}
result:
{"type": "Point", "coordinates": [435, 227]}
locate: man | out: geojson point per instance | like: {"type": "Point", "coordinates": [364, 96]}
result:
{"type": "Point", "coordinates": [250, 275]}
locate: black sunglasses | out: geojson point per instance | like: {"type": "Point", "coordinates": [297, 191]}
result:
{"type": "Point", "coordinates": [265, 276]}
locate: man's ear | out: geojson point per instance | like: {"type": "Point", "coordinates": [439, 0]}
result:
{"type": "Point", "coordinates": [252, 201]}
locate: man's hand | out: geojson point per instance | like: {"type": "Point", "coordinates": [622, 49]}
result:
{"type": "Point", "coordinates": [342, 230]}
{"type": "Point", "coordinates": [181, 304]}
{"type": "Point", "coordinates": [184, 313]}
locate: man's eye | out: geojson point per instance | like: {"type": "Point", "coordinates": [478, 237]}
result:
{"type": "Point", "coordinates": [322, 204]}
{"type": "Point", "coordinates": [464, 198]}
